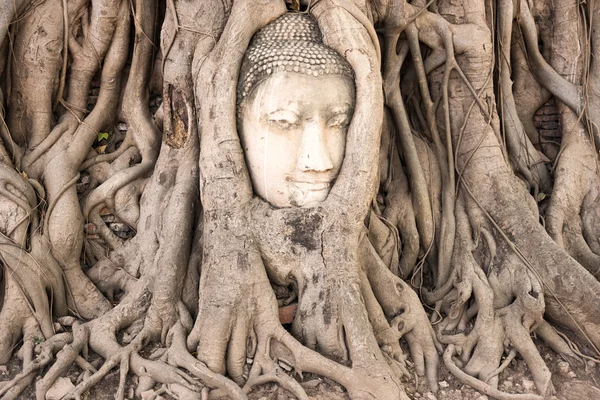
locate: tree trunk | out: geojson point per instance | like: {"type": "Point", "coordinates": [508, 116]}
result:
{"type": "Point", "coordinates": [129, 214]}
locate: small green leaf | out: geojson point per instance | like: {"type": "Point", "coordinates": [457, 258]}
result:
{"type": "Point", "coordinates": [541, 196]}
{"type": "Point", "coordinates": [102, 135]}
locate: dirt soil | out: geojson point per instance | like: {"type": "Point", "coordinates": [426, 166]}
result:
{"type": "Point", "coordinates": [572, 382]}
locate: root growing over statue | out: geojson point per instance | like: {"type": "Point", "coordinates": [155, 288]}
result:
{"type": "Point", "coordinates": [443, 198]}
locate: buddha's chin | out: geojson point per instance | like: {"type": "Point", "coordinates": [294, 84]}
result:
{"type": "Point", "coordinates": [309, 196]}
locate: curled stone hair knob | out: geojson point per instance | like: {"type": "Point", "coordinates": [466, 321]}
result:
{"type": "Point", "coordinates": [291, 43]}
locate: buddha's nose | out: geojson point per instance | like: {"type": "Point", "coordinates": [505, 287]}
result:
{"type": "Point", "coordinates": [313, 154]}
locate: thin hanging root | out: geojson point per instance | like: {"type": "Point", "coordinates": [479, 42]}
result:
{"type": "Point", "coordinates": [575, 349]}
{"type": "Point", "coordinates": [393, 98]}
{"type": "Point", "coordinates": [444, 156]}
{"type": "Point", "coordinates": [25, 273]}
{"type": "Point", "coordinates": [63, 71]}
{"type": "Point", "coordinates": [27, 199]}
{"type": "Point", "coordinates": [45, 145]}
{"type": "Point", "coordinates": [480, 385]}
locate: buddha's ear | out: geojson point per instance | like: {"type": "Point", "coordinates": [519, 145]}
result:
{"type": "Point", "coordinates": [347, 30]}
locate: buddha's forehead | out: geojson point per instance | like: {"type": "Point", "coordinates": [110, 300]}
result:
{"type": "Point", "coordinates": [298, 92]}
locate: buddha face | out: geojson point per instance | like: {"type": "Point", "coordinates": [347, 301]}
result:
{"type": "Point", "coordinates": [293, 131]}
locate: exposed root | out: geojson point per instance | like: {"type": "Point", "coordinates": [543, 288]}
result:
{"type": "Point", "coordinates": [556, 342]}
{"type": "Point", "coordinates": [480, 385]}
{"type": "Point", "coordinates": [15, 388]}
{"type": "Point", "coordinates": [197, 277]}
{"type": "Point", "coordinates": [121, 358]}
{"type": "Point", "coordinates": [31, 366]}
{"type": "Point", "coordinates": [264, 370]}
{"type": "Point", "coordinates": [64, 358]}
{"type": "Point", "coordinates": [178, 356]}
{"type": "Point", "coordinates": [511, 355]}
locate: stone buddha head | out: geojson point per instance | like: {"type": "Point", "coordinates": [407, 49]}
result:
{"type": "Point", "coordinates": [295, 102]}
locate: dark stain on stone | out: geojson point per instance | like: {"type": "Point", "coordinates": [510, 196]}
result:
{"type": "Point", "coordinates": [176, 132]}
{"type": "Point", "coordinates": [327, 312]}
{"type": "Point", "coordinates": [315, 278]}
{"type": "Point", "coordinates": [242, 261]}
{"type": "Point", "coordinates": [304, 230]}
{"type": "Point", "coordinates": [301, 316]}
{"type": "Point", "coordinates": [162, 178]}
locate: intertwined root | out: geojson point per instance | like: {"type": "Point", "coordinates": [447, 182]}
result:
{"type": "Point", "coordinates": [495, 270]}
{"type": "Point", "coordinates": [274, 346]}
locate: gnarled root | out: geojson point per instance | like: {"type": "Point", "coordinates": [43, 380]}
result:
{"type": "Point", "coordinates": [479, 385]}
{"type": "Point", "coordinates": [405, 314]}
{"type": "Point", "coordinates": [509, 304]}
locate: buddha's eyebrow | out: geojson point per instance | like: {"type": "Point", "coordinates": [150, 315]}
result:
{"type": "Point", "coordinates": [282, 111]}
{"type": "Point", "coordinates": [343, 108]}
{"type": "Point", "coordinates": [290, 106]}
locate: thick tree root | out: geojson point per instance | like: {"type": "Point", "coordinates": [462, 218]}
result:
{"type": "Point", "coordinates": [198, 278]}
{"type": "Point", "coordinates": [480, 385]}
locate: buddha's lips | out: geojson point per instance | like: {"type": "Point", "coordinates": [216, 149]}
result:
{"type": "Point", "coordinates": [312, 186]}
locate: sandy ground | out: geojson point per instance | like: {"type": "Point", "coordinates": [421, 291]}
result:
{"type": "Point", "coordinates": [572, 382]}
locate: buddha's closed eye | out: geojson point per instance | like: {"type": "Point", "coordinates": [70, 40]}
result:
{"type": "Point", "coordinates": [283, 119]}
{"type": "Point", "coordinates": [340, 120]}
